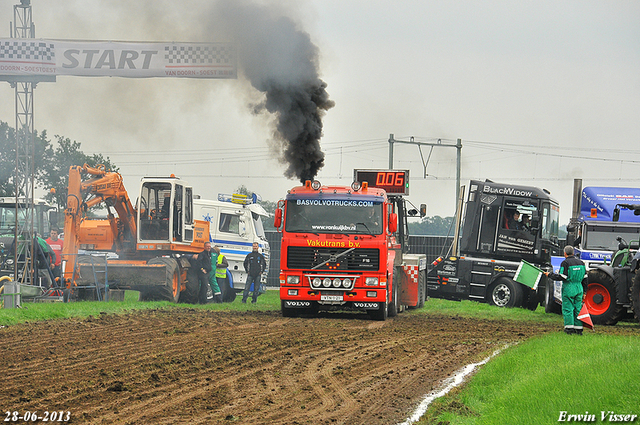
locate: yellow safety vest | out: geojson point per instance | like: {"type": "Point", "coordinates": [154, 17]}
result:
{"type": "Point", "coordinates": [222, 271]}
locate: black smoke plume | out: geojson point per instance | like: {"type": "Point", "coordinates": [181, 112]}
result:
{"type": "Point", "coordinates": [279, 59]}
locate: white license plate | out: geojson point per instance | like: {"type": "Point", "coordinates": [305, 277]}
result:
{"type": "Point", "coordinates": [331, 298]}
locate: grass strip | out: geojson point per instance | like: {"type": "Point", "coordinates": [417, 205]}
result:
{"type": "Point", "coordinates": [537, 380]}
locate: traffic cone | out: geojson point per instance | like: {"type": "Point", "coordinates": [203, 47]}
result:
{"type": "Point", "coordinates": [585, 317]}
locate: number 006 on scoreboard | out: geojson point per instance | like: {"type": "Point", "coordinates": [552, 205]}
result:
{"type": "Point", "coordinates": [394, 182]}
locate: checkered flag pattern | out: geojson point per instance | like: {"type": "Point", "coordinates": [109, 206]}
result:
{"type": "Point", "coordinates": [29, 51]}
{"type": "Point", "coordinates": [412, 272]}
{"type": "Point", "coordinates": [199, 55]}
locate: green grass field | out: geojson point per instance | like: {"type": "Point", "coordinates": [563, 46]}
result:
{"type": "Point", "coordinates": [531, 383]}
{"type": "Point", "coordinates": [534, 382]}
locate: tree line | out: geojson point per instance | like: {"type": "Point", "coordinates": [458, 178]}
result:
{"type": "Point", "coordinates": [51, 162]}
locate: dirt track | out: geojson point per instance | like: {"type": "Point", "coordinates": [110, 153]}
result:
{"type": "Point", "coordinates": [193, 366]}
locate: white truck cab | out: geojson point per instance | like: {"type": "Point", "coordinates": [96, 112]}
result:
{"type": "Point", "coordinates": [235, 224]}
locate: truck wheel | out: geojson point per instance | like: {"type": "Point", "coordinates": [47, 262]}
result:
{"type": "Point", "coordinates": [191, 287]}
{"type": "Point", "coordinates": [422, 289]}
{"type": "Point", "coordinates": [505, 293]}
{"type": "Point", "coordinates": [601, 298]}
{"type": "Point", "coordinates": [228, 293]}
{"type": "Point", "coordinates": [635, 295]}
{"type": "Point", "coordinates": [550, 305]}
{"type": "Point", "coordinates": [170, 291]}
{"type": "Point", "coordinates": [394, 305]}
{"type": "Point", "coordinates": [380, 314]}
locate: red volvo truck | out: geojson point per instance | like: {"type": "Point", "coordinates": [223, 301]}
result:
{"type": "Point", "coordinates": [346, 247]}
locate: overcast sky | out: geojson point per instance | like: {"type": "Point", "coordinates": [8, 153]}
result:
{"type": "Point", "coordinates": [540, 92]}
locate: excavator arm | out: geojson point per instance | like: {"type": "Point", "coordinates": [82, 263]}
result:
{"type": "Point", "coordinates": [102, 187]}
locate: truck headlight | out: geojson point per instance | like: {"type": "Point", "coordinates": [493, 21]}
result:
{"type": "Point", "coordinates": [326, 282]}
{"type": "Point", "coordinates": [346, 283]}
{"type": "Point", "coordinates": [337, 282]}
{"type": "Point", "coordinates": [371, 281]}
{"type": "Point", "coordinates": [293, 280]}
{"type": "Point", "coordinates": [316, 282]}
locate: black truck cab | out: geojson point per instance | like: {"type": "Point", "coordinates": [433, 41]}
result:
{"type": "Point", "coordinates": [501, 225]}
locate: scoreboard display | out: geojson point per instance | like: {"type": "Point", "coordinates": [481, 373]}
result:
{"type": "Point", "coordinates": [394, 182]}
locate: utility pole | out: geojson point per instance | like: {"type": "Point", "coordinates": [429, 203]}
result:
{"type": "Point", "coordinates": [439, 143]}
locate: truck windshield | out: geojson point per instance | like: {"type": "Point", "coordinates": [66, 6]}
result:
{"type": "Point", "coordinates": [8, 219]}
{"type": "Point", "coordinates": [550, 219]}
{"type": "Point", "coordinates": [603, 237]}
{"type": "Point", "coordinates": [334, 216]}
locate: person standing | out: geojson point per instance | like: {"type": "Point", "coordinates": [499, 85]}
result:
{"type": "Point", "coordinates": [56, 245]}
{"type": "Point", "coordinates": [221, 276]}
{"type": "Point", "coordinates": [213, 280]}
{"type": "Point", "coordinates": [203, 264]}
{"type": "Point", "coordinates": [254, 265]}
{"type": "Point", "coordinates": [572, 272]}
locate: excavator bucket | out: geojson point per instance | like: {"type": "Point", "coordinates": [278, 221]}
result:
{"type": "Point", "coordinates": [149, 279]}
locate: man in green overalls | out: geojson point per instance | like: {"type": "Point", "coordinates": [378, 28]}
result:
{"type": "Point", "coordinates": [572, 272]}
{"type": "Point", "coordinates": [213, 280]}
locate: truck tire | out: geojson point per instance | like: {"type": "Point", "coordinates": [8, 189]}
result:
{"type": "Point", "coordinates": [550, 305]}
{"type": "Point", "coordinates": [192, 287]}
{"type": "Point", "coordinates": [228, 293]}
{"type": "Point", "coordinates": [170, 291]}
{"type": "Point", "coordinates": [505, 293]}
{"type": "Point", "coordinates": [531, 302]}
{"type": "Point", "coordinates": [394, 305]}
{"type": "Point", "coordinates": [422, 289]}
{"type": "Point", "coordinates": [380, 314]}
{"type": "Point", "coordinates": [601, 298]}
{"type": "Point", "coordinates": [635, 295]}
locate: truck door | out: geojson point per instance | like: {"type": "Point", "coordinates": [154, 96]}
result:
{"type": "Point", "coordinates": [154, 211]}
{"type": "Point", "coordinates": [488, 224]}
{"type": "Point", "coordinates": [232, 224]}
{"type": "Point", "coordinates": [187, 214]}
{"type": "Point", "coordinates": [515, 237]}
{"type": "Point", "coordinates": [178, 214]}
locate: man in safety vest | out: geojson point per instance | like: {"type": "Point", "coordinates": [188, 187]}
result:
{"type": "Point", "coordinates": [572, 272]}
{"type": "Point", "coordinates": [213, 280]}
{"type": "Point", "coordinates": [221, 274]}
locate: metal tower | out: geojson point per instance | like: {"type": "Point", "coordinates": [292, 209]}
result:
{"type": "Point", "coordinates": [22, 27]}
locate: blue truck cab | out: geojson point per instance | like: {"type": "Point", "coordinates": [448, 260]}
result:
{"type": "Point", "coordinates": [603, 223]}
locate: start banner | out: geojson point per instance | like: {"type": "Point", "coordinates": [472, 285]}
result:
{"type": "Point", "coordinates": [36, 57]}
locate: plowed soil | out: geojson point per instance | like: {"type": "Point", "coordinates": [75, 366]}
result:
{"type": "Point", "coordinates": [195, 366]}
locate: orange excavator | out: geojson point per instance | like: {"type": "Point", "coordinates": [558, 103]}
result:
{"type": "Point", "coordinates": [153, 242]}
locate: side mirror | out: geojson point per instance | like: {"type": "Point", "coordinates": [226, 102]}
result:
{"type": "Point", "coordinates": [277, 220]}
{"type": "Point", "coordinates": [616, 213]}
{"type": "Point", "coordinates": [423, 210]}
{"type": "Point", "coordinates": [393, 222]}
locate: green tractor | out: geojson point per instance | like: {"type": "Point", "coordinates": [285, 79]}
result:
{"type": "Point", "coordinates": [613, 291]}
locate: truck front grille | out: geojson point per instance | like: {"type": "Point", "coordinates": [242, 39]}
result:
{"type": "Point", "coordinates": [302, 257]}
